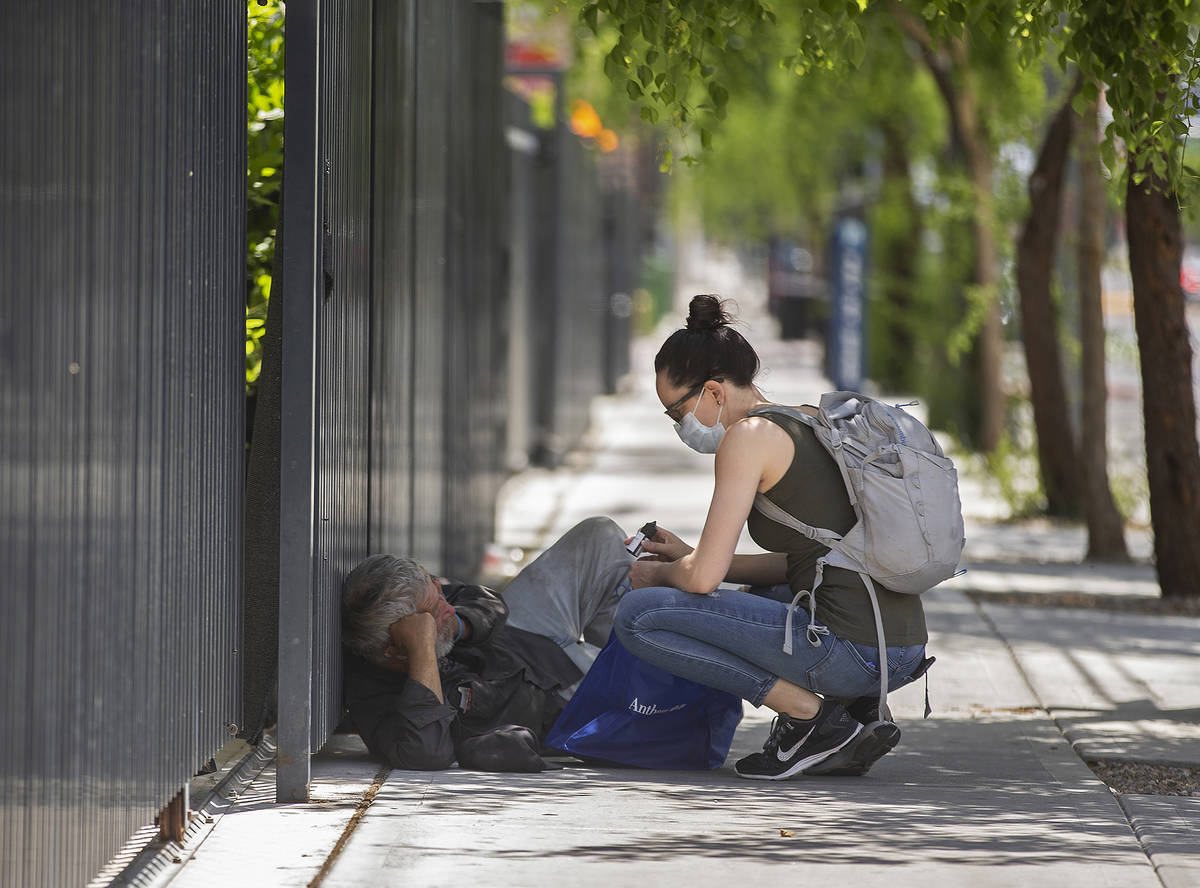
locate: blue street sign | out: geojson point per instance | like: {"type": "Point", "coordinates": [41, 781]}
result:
{"type": "Point", "coordinates": [847, 324]}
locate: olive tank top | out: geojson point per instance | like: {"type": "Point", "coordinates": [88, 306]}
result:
{"type": "Point", "coordinates": [812, 490]}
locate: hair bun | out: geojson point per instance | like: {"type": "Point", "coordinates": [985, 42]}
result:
{"type": "Point", "coordinates": [707, 312]}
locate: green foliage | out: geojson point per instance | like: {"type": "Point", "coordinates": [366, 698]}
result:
{"type": "Point", "coordinates": [1011, 470]}
{"type": "Point", "coordinates": [1014, 467]}
{"type": "Point", "coordinates": [678, 60]}
{"type": "Point", "coordinates": [652, 299]}
{"type": "Point", "coordinates": [1147, 55]}
{"type": "Point", "coordinates": [264, 167]}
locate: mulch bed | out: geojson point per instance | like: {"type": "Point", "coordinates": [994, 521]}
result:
{"type": "Point", "coordinates": [1132, 604]}
{"type": "Point", "coordinates": [1144, 778]}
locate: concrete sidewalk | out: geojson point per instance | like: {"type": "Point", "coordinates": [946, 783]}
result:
{"type": "Point", "coordinates": [991, 790]}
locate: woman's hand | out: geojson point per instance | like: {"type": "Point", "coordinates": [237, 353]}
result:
{"type": "Point", "coordinates": [665, 546]}
{"type": "Point", "coordinates": [648, 572]}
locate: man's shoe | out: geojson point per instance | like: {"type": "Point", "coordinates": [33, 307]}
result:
{"type": "Point", "coordinates": [795, 744]}
{"type": "Point", "coordinates": [854, 759]}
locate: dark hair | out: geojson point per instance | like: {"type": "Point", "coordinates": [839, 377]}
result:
{"type": "Point", "coordinates": [708, 348]}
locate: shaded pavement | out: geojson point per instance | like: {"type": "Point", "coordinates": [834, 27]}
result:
{"type": "Point", "coordinates": [991, 790]}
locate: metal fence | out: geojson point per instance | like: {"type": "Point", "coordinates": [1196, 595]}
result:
{"type": "Point", "coordinates": [444, 299]}
{"type": "Point", "coordinates": [574, 251]}
{"type": "Point", "coordinates": [407, 404]}
{"type": "Point", "coordinates": [121, 413]}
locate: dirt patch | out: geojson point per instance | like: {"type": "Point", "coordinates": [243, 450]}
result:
{"type": "Point", "coordinates": [1167, 607]}
{"type": "Point", "coordinates": [1145, 778]}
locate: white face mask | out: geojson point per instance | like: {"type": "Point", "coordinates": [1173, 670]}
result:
{"type": "Point", "coordinates": [698, 436]}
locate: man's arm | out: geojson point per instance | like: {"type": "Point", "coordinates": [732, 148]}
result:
{"type": "Point", "coordinates": [414, 638]}
{"type": "Point", "coordinates": [482, 611]}
{"type": "Point", "coordinates": [409, 730]}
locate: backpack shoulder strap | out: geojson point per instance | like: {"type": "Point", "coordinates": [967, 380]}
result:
{"type": "Point", "coordinates": [782, 516]}
{"type": "Point", "coordinates": [780, 410]}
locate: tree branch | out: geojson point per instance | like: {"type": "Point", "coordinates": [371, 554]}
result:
{"type": "Point", "coordinates": [939, 66]}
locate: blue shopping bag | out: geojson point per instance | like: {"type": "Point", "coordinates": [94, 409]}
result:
{"type": "Point", "coordinates": [631, 713]}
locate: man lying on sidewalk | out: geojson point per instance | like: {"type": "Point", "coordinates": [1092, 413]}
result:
{"type": "Point", "coordinates": [435, 669]}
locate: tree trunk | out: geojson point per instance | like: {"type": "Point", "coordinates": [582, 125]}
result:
{"type": "Point", "coordinates": [898, 272]}
{"type": "Point", "coordinates": [260, 598]}
{"type": "Point", "coordinates": [1058, 456]}
{"type": "Point", "coordinates": [949, 63]}
{"type": "Point", "coordinates": [1168, 402]}
{"type": "Point", "coordinates": [991, 336]}
{"type": "Point", "coordinates": [1106, 530]}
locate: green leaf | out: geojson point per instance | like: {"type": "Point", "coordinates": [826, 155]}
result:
{"type": "Point", "coordinates": [1108, 153]}
{"type": "Point", "coordinates": [651, 56]}
{"type": "Point", "coordinates": [649, 29]}
{"type": "Point", "coordinates": [1080, 103]}
{"type": "Point", "coordinates": [634, 89]}
{"type": "Point", "coordinates": [645, 74]}
{"type": "Point", "coordinates": [719, 94]}
{"type": "Point", "coordinates": [588, 15]}
{"type": "Point", "coordinates": [856, 47]}
{"type": "Point", "coordinates": [705, 138]}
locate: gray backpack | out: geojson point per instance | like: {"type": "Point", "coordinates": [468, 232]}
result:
{"type": "Point", "coordinates": [904, 491]}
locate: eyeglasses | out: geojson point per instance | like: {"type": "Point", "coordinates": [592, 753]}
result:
{"type": "Point", "coordinates": [670, 411]}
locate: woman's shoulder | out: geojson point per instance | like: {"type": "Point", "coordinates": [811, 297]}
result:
{"type": "Point", "coordinates": [776, 422]}
{"type": "Point", "coordinates": [755, 429]}
{"type": "Point", "coordinates": [758, 435]}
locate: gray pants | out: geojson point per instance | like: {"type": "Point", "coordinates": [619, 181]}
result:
{"type": "Point", "coordinates": [569, 593]}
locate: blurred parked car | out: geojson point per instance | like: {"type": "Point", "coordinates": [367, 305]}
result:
{"type": "Point", "coordinates": [796, 296]}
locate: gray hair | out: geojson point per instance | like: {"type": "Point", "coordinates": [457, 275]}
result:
{"type": "Point", "coordinates": [377, 593]}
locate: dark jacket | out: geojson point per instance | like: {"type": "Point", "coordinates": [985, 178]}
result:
{"type": "Point", "coordinates": [501, 675]}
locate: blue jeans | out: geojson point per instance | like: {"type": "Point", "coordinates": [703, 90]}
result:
{"type": "Point", "coordinates": [733, 641]}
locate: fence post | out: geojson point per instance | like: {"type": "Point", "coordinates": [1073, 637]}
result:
{"type": "Point", "coordinates": [301, 248]}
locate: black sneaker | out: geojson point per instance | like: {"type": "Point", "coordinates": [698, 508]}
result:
{"type": "Point", "coordinates": [855, 758]}
{"type": "Point", "coordinates": [865, 709]}
{"type": "Point", "coordinates": [795, 744]}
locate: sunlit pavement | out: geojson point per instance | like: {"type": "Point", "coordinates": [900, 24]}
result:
{"type": "Point", "coordinates": [991, 790]}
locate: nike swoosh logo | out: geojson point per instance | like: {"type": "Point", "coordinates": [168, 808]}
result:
{"type": "Point", "coordinates": [785, 754]}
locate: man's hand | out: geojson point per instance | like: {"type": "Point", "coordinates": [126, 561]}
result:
{"type": "Point", "coordinates": [665, 546]}
{"type": "Point", "coordinates": [414, 634]}
{"type": "Point", "coordinates": [414, 650]}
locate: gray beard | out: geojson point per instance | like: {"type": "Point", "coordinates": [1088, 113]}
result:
{"type": "Point", "coordinates": [445, 640]}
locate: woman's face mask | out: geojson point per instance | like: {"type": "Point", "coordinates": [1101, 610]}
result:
{"type": "Point", "coordinates": [698, 436]}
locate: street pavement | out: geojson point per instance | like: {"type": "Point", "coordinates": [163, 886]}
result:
{"type": "Point", "coordinates": [991, 790]}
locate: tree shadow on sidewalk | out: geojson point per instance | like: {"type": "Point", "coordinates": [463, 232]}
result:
{"type": "Point", "coordinates": [994, 791]}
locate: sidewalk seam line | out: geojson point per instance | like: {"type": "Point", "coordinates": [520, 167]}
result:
{"type": "Point", "coordinates": [368, 798]}
{"type": "Point", "coordinates": [1138, 835]}
{"type": "Point", "coordinates": [1070, 744]}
